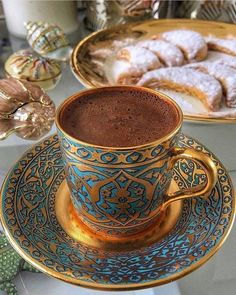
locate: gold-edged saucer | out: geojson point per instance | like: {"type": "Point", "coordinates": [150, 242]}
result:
{"type": "Point", "coordinates": [71, 223]}
{"type": "Point", "coordinates": [34, 199]}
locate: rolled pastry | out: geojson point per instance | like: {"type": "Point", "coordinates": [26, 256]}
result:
{"type": "Point", "coordinates": [227, 46]}
{"type": "Point", "coordinates": [224, 74]}
{"type": "Point", "coordinates": [132, 62]}
{"type": "Point", "coordinates": [221, 58]}
{"type": "Point", "coordinates": [103, 49]}
{"type": "Point", "coordinates": [190, 42]}
{"type": "Point", "coordinates": [186, 80]}
{"type": "Point", "coordinates": [169, 54]}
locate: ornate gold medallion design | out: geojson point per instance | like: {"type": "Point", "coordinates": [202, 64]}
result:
{"type": "Point", "coordinates": [71, 223]}
{"type": "Point", "coordinates": [33, 197]}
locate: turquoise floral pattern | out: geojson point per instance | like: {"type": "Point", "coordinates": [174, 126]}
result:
{"type": "Point", "coordinates": [117, 192]}
{"type": "Point", "coordinates": [28, 215]}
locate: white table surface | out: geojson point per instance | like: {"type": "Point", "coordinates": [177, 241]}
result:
{"type": "Point", "coordinates": [216, 277]}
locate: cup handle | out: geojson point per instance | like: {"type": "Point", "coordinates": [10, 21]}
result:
{"type": "Point", "coordinates": [199, 190]}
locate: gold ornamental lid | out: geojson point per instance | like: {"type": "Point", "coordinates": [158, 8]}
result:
{"type": "Point", "coordinates": [28, 66]}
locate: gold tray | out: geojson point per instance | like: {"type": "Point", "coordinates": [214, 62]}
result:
{"type": "Point", "coordinates": [85, 70]}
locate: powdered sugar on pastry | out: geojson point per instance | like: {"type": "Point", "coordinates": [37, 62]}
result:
{"type": "Point", "coordinates": [168, 53]}
{"type": "Point", "coordinates": [121, 73]}
{"type": "Point", "coordinates": [101, 53]}
{"type": "Point", "coordinates": [224, 113]}
{"type": "Point", "coordinates": [122, 42]}
{"type": "Point", "coordinates": [191, 43]}
{"type": "Point", "coordinates": [140, 58]}
{"type": "Point", "coordinates": [223, 73]}
{"type": "Point", "coordinates": [103, 49]}
{"type": "Point", "coordinates": [221, 58]}
{"type": "Point", "coordinates": [223, 45]}
{"type": "Point", "coordinates": [186, 80]}
{"type": "Point", "coordinates": [131, 62]}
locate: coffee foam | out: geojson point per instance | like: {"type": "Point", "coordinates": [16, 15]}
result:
{"type": "Point", "coordinates": [119, 118]}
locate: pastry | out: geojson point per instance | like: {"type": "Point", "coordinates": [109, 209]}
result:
{"type": "Point", "coordinates": [224, 74]}
{"type": "Point", "coordinates": [169, 54]}
{"type": "Point", "coordinates": [227, 46]}
{"type": "Point", "coordinates": [186, 80]}
{"type": "Point", "coordinates": [221, 58]}
{"type": "Point", "coordinates": [132, 62]}
{"type": "Point", "coordinates": [100, 52]}
{"type": "Point", "coordinates": [224, 113]}
{"type": "Point", "coordinates": [139, 56]}
{"type": "Point", "coordinates": [191, 43]}
{"type": "Point", "coordinates": [103, 49]}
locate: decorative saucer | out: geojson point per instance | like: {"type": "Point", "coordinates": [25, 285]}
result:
{"type": "Point", "coordinates": [40, 224]}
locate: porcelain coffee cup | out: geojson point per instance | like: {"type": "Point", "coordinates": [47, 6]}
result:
{"type": "Point", "coordinates": [120, 191]}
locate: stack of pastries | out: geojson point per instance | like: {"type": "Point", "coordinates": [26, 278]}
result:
{"type": "Point", "coordinates": [180, 60]}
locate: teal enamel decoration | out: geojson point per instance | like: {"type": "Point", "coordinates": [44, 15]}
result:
{"type": "Point", "coordinates": [121, 191]}
{"type": "Point", "coordinates": [29, 217]}
{"type": "Point", "coordinates": [113, 190]}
